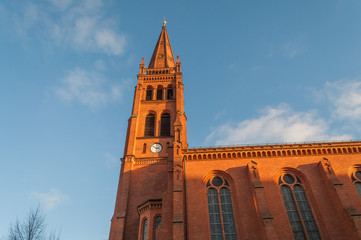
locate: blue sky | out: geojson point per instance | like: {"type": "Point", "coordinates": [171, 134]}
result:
{"type": "Point", "coordinates": [254, 72]}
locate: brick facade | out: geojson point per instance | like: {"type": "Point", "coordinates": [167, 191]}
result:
{"type": "Point", "coordinates": [173, 183]}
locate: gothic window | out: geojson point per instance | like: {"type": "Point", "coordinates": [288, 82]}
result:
{"type": "Point", "coordinates": [165, 124]}
{"type": "Point", "coordinates": [145, 229]}
{"type": "Point", "coordinates": [220, 210]}
{"type": "Point", "coordinates": [157, 221]}
{"type": "Point", "coordinates": [159, 93]}
{"type": "Point", "coordinates": [298, 209]}
{"type": "Point", "coordinates": [170, 92]}
{"type": "Point", "coordinates": [149, 125]}
{"type": "Point", "coordinates": [149, 95]}
{"type": "Point", "coordinates": [356, 179]}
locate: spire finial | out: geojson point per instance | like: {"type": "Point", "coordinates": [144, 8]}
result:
{"type": "Point", "coordinates": [164, 22]}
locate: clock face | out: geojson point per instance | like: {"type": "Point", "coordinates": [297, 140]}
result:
{"type": "Point", "coordinates": [156, 148]}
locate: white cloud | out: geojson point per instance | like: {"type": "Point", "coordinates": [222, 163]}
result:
{"type": "Point", "coordinates": [345, 97]}
{"type": "Point", "coordinates": [110, 42]}
{"type": "Point", "coordinates": [88, 88]}
{"type": "Point", "coordinates": [51, 199]}
{"type": "Point", "coordinates": [81, 24]}
{"type": "Point", "coordinates": [279, 124]}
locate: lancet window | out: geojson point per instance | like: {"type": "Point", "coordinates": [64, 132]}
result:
{"type": "Point", "coordinates": [298, 209]}
{"type": "Point", "coordinates": [165, 124]}
{"type": "Point", "coordinates": [220, 209]}
{"type": "Point", "coordinates": [145, 229]}
{"type": "Point", "coordinates": [149, 125]}
{"type": "Point", "coordinates": [356, 179]}
{"type": "Point", "coordinates": [157, 221]}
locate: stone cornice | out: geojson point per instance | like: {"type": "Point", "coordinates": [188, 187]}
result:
{"type": "Point", "coordinates": [277, 150]}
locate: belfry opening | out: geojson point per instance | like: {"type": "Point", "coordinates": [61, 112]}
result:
{"type": "Point", "coordinates": [168, 190]}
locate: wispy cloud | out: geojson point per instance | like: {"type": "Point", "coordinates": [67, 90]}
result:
{"type": "Point", "coordinates": [81, 24]}
{"type": "Point", "coordinates": [292, 48]}
{"type": "Point", "coordinates": [51, 199]}
{"type": "Point", "coordinates": [289, 48]}
{"type": "Point", "coordinates": [88, 88]}
{"type": "Point", "coordinates": [345, 98]}
{"type": "Point", "coordinates": [276, 124]}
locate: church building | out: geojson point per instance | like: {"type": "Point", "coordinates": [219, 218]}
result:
{"type": "Point", "coordinates": [170, 191]}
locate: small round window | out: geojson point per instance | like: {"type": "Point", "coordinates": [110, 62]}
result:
{"type": "Point", "coordinates": [217, 182]}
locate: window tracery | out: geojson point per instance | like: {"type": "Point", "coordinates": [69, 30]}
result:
{"type": "Point", "coordinates": [356, 180]}
{"type": "Point", "coordinates": [299, 212]}
{"type": "Point", "coordinates": [220, 209]}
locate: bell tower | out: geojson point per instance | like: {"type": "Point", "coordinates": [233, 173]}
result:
{"type": "Point", "coordinates": [150, 198]}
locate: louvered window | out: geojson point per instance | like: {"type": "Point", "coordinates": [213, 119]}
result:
{"type": "Point", "coordinates": [299, 212]}
{"type": "Point", "coordinates": [165, 125]}
{"type": "Point", "coordinates": [220, 210]}
{"type": "Point", "coordinates": [149, 125]}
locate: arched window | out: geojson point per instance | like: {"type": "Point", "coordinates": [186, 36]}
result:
{"type": "Point", "coordinates": [220, 210]}
{"type": "Point", "coordinates": [165, 124]}
{"type": "Point", "coordinates": [170, 92]}
{"type": "Point", "coordinates": [159, 93]}
{"type": "Point", "coordinates": [298, 209]}
{"type": "Point", "coordinates": [149, 125]}
{"type": "Point", "coordinates": [356, 179]}
{"type": "Point", "coordinates": [157, 221]}
{"type": "Point", "coordinates": [149, 95]}
{"type": "Point", "coordinates": [145, 229]}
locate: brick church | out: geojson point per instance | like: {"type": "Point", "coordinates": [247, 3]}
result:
{"type": "Point", "coordinates": [169, 191]}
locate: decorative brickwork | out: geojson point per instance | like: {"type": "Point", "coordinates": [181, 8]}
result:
{"type": "Point", "coordinates": [279, 191]}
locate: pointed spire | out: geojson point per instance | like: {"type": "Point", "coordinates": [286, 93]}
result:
{"type": "Point", "coordinates": [163, 54]}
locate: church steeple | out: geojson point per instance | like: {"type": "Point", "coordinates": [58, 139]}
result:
{"type": "Point", "coordinates": [163, 54]}
{"type": "Point", "coordinates": [151, 184]}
